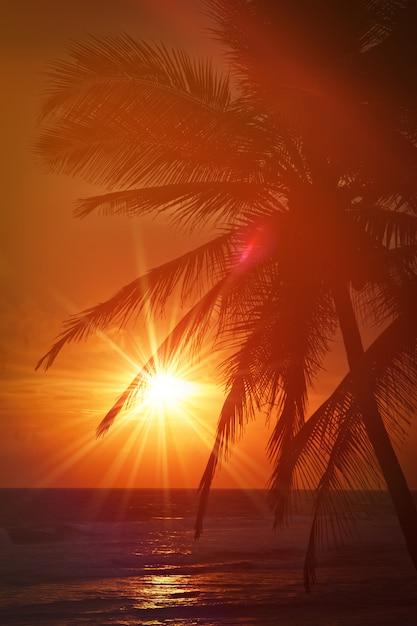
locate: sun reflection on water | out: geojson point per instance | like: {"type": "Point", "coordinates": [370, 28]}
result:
{"type": "Point", "coordinates": [166, 590]}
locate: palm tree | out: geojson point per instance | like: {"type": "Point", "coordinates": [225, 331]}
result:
{"type": "Point", "coordinates": [312, 232]}
{"type": "Point", "coordinates": [354, 71]}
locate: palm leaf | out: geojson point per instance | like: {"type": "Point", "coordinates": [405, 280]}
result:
{"type": "Point", "coordinates": [351, 454]}
{"type": "Point", "coordinates": [151, 290]}
{"type": "Point", "coordinates": [388, 227]}
{"type": "Point", "coordinates": [105, 60]}
{"type": "Point", "coordinates": [192, 204]}
{"type": "Point", "coordinates": [232, 416]}
{"type": "Point", "coordinates": [127, 113]}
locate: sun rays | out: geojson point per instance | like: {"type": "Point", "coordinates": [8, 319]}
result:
{"type": "Point", "coordinates": [162, 438]}
{"type": "Point", "coordinates": [165, 431]}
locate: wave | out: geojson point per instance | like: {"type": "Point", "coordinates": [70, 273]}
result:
{"type": "Point", "coordinates": [154, 572]}
{"type": "Point", "coordinates": [24, 535]}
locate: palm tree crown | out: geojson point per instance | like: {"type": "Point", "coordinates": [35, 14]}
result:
{"type": "Point", "coordinates": [305, 174]}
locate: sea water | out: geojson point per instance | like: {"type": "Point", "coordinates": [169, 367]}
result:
{"type": "Point", "coordinates": [90, 556]}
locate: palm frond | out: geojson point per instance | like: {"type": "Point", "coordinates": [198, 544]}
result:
{"type": "Point", "coordinates": [390, 287]}
{"type": "Point", "coordinates": [119, 405]}
{"type": "Point", "coordinates": [129, 113]}
{"type": "Point", "coordinates": [390, 367]}
{"type": "Point", "coordinates": [388, 227]}
{"type": "Point", "coordinates": [271, 369]}
{"type": "Point", "coordinates": [229, 426]}
{"type": "Point", "coordinates": [105, 60]}
{"type": "Point", "coordinates": [150, 291]}
{"type": "Point", "coordinates": [303, 326]}
{"type": "Point", "coordinates": [333, 447]}
{"type": "Point", "coordinates": [351, 454]}
{"type": "Point", "coordinates": [188, 205]}
{"type": "Point", "coordinates": [333, 71]}
{"type": "Point", "coordinates": [331, 452]}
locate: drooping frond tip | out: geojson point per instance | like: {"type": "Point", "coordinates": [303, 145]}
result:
{"type": "Point", "coordinates": [204, 487]}
{"type": "Point", "coordinates": [118, 309]}
{"type": "Point", "coordinates": [109, 418]}
{"type": "Point", "coordinates": [230, 421]}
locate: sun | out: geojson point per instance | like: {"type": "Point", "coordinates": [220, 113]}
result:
{"type": "Point", "coordinates": [166, 391]}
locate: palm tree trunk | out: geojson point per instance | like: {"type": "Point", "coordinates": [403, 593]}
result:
{"type": "Point", "coordinates": [375, 428]}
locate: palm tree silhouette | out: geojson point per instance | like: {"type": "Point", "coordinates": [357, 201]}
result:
{"type": "Point", "coordinates": [305, 174]}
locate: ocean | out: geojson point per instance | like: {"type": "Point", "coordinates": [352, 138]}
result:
{"type": "Point", "coordinates": [124, 557]}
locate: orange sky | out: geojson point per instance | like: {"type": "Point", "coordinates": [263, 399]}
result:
{"type": "Point", "coordinates": [52, 265]}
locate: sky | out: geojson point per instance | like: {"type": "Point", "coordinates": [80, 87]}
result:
{"type": "Point", "coordinates": [53, 265]}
